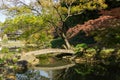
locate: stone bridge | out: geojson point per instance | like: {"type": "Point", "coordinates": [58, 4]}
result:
{"type": "Point", "coordinates": [46, 51]}
{"type": "Point", "coordinates": [31, 56]}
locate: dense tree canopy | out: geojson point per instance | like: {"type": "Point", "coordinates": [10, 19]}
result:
{"type": "Point", "coordinates": [57, 14]}
{"type": "Point", "coordinates": [105, 29]}
{"type": "Point", "coordinates": [34, 29]}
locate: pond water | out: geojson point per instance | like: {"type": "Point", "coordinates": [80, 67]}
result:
{"type": "Point", "coordinates": [45, 71]}
{"type": "Point", "coordinates": [35, 75]}
{"type": "Point", "coordinates": [81, 71]}
{"type": "Point", "coordinates": [60, 69]}
{"type": "Point", "coordinates": [39, 75]}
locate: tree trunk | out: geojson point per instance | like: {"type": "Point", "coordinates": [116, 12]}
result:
{"type": "Point", "coordinates": [61, 30]}
{"type": "Point", "coordinates": [67, 44]}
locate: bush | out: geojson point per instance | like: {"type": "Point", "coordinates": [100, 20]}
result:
{"type": "Point", "coordinates": [80, 47]}
{"type": "Point", "coordinates": [5, 39]}
{"type": "Point", "coordinates": [57, 43]}
{"type": "Point", "coordinates": [5, 50]}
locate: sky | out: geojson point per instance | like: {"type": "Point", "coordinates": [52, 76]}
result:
{"type": "Point", "coordinates": [2, 17]}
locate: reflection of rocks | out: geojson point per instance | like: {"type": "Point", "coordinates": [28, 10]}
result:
{"type": "Point", "coordinates": [32, 75]}
{"type": "Point", "coordinates": [9, 74]}
{"type": "Point", "coordinates": [2, 64]}
{"type": "Point", "coordinates": [22, 66]}
{"type": "Point", "coordinates": [1, 70]}
{"type": "Point", "coordinates": [10, 77]}
{"type": "Point", "coordinates": [51, 60]}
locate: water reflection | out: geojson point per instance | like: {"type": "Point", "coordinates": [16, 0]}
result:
{"type": "Point", "coordinates": [44, 72]}
{"type": "Point", "coordinates": [82, 71]}
{"type": "Point", "coordinates": [94, 71]}
{"type": "Point", "coordinates": [47, 74]}
{"type": "Point", "coordinates": [35, 75]}
{"type": "Point", "coordinates": [103, 69]}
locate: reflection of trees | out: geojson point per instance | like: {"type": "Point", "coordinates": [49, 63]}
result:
{"type": "Point", "coordinates": [93, 71]}
{"type": "Point", "coordinates": [32, 75]}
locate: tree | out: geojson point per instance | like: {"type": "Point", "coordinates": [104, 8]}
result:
{"type": "Point", "coordinates": [105, 29]}
{"type": "Point", "coordinates": [34, 30]}
{"type": "Point", "coordinates": [57, 13]}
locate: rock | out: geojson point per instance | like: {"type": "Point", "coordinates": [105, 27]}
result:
{"type": "Point", "coordinates": [22, 66]}
{"type": "Point", "coordinates": [30, 59]}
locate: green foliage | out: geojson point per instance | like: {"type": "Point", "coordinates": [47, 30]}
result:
{"type": "Point", "coordinates": [106, 53]}
{"type": "Point", "coordinates": [109, 37]}
{"type": "Point", "coordinates": [5, 39]}
{"type": "Point", "coordinates": [44, 59]}
{"type": "Point", "coordinates": [5, 50]}
{"type": "Point", "coordinates": [34, 29]}
{"type": "Point", "coordinates": [84, 69]}
{"type": "Point", "coordinates": [1, 61]}
{"type": "Point", "coordinates": [57, 43]}
{"type": "Point", "coordinates": [77, 6]}
{"type": "Point", "coordinates": [12, 8]}
{"type": "Point", "coordinates": [32, 25]}
{"type": "Point", "coordinates": [80, 47]}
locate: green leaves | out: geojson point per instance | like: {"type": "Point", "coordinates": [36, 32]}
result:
{"type": "Point", "coordinates": [80, 47]}
{"type": "Point", "coordinates": [36, 18]}
{"type": "Point", "coordinates": [31, 19]}
{"type": "Point", "coordinates": [35, 29]}
{"type": "Point", "coordinates": [79, 5]}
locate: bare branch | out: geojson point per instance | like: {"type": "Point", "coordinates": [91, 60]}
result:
{"type": "Point", "coordinates": [69, 10]}
{"type": "Point", "coordinates": [39, 2]}
{"type": "Point", "coordinates": [31, 8]}
{"type": "Point", "coordinates": [58, 13]}
{"type": "Point", "coordinates": [3, 6]}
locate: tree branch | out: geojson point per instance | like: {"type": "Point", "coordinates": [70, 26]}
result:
{"type": "Point", "coordinates": [58, 13]}
{"type": "Point", "coordinates": [39, 2]}
{"type": "Point", "coordinates": [31, 8]}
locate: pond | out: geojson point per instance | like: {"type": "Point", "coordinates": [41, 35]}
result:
{"type": "Point", "coordinates": [42, 71]}
{"type": "Point", "coordinates": [54, 68]}
{"type": "Point", "coordinates": [80, 71]}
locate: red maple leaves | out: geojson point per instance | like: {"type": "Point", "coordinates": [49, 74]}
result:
{"type": "Point", "coordinates": [108, 19]}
